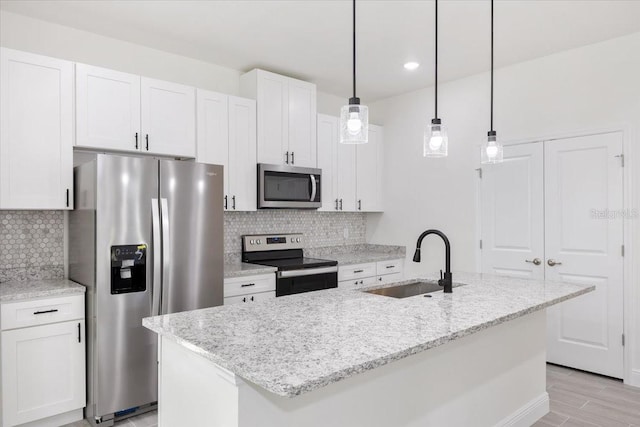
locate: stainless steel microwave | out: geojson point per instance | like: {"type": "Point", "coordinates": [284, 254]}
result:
{"type": "Point", "coordinates": [288, 187]}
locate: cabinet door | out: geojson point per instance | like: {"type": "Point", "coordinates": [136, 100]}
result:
{"type": "Point", "coordinates": [43, 371]}
{"type": "Point", "coordinates": [213, 131]}
{"type": "Point", "coordinates": [242, 154]}
{"type": "Point", "coordinates": [302, 123]}
{"type": "Point", "coordinates": [36, 131]}
{"type": "Point", "coordinates": [168, 118]}
{"type": "Point", "coordinates": [369, 172]}
{"type": "Point", "coordinates": [328, 161]}
{"type": "Point", "coordinates": [273, 117]}
{"type": "Point", "coordinates": [107, 109]}
{"type": "Point", "coordinates": [346, 174]}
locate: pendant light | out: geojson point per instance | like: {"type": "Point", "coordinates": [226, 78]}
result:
{"type": "Point", "coordinates": [491, 150]}
{"type": "Point", "coordinates": [436, 141]}
{"type": "Point", "coordinates": [354, 118]}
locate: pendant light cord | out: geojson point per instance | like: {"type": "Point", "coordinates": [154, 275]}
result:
{"type": "Point", "coordinates": [436, 63]}
{"type": "Point", "coordinates": [354, 48]}
{"type": "Point", "coordinates": [491, 65]}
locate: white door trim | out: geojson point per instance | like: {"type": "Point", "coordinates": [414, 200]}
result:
{"type": "Point", "coordinates": [630, 227]}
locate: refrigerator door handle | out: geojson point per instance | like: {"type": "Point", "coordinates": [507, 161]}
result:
{"type": "Point", "coordinates": [166, 247]}
{"type": "Point", "coordinates": [157, 245]}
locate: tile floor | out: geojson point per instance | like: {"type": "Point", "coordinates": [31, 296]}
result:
{"type": "Point", "coordinates": [577, 399]}
{"type": "Point", "coordinates": [582, 399]}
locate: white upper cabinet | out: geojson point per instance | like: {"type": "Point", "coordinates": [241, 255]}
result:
{"type": "Point", "coordinates": [227, 136]}
{"type": "Point", "coordinates": [328, 161]}
{"type": "Point", "coordinates": [346, 175]}
{"type": "Point", "coordinates": [369, 161]}
{"type": "Point", "coordinates": [242, 154]}
{"type": "Point", "coordinates": [36, 131]}
{"type": "Point", "coordinates": [286, 111]}
{"type": "Point", "coordinates": [107, 109]}
{"type": "Point", "coordinates": [168, 118]}
{"type": "Point", "coordinates": [302, 123]}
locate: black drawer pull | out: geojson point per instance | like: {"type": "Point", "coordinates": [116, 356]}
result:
{"type": "Point", "coordinates": [251, 298]}
{"type": "Point", "coordinates": [358, 271]}
{"type": "Point", "coordinates": [246, 285]}
{"type": "Point", "coordinates": [244, 299]}
{"type": "Point", "coordinates": [46, 311]}
{"type": "Point", "coordinates": [391, 266]}
{"type": "Point", "coordinates": [79, 340]}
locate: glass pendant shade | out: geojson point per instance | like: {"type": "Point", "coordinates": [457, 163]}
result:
{"type": "Point", "coordinates": [354, 124]}
{"type": "Point", "coordinates": [436, 140]}
{"type": "Point", "coordinates": [491, 151]}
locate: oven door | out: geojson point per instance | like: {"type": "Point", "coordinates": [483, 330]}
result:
{"type": "Point", "coordinates": [288, 187]}
{"type": "Point", "coordinates": [313, 279]}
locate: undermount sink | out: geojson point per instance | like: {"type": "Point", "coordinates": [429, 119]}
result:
{"type": "Point", "coordinates": [408, 290]}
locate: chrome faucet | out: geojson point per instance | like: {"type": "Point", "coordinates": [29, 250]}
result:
{"type": "Point", "coordinates": [446, 281]}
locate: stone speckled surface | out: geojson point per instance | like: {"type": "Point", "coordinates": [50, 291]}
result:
{"type": "Point", "coordinates": [240, 269]}
{"type": "Point", "coordinates": [22, 290]}
{"type": "Point", "coordinates": [358, 254]}
{"type": "Point", "coordinates": [298, 343]}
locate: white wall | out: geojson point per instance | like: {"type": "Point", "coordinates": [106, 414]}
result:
{"type": "Point", "coordinates": [45, 38]}
{"type": "Point", "coordinates": [587, 88]}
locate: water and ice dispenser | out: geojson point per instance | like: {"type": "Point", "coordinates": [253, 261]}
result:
{"type": "Point", "coordinates": [128, 268]}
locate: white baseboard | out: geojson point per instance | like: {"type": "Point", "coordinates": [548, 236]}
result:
{"type": "Point", "coordinates": [634, 379]}
{"type": "Point", "coordinates": [527, 415]}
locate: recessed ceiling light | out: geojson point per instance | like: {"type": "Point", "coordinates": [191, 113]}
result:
{"type": "Point", "coordinates": [411, 66]}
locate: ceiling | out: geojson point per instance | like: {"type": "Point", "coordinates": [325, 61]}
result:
{"type": "Point", "coordinates": [311, 39]}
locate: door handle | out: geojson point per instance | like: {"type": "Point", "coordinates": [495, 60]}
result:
{"type": "Point", "coordinates": [293, 159]}
{"type": "Point", "coordinates": [336, 204]}
{"type": "Point", "coordinates": [233, 202]}
{"type": "Point", "coordinates": [226, 202]}
{"type": "Point", "coordinates": [155, 250]}
{"type": "Point", "coordinates": [340, 204]}
{"type": "Point", "coordinates": [552, 263]}
{"type": "Point", "coordinates": [359, 205]}
{"type": "Point", "coordinates": [136, 140]}
{"type": "Point", "coordinates": [166, 251]}
{"type": "Point", "coordinates": [313, 187]}
{"type": "Point", "coordinates": [146, 137]}
{"type": "Point", "coordinates": [535, 261]}
{"type": "Point", "coordinates": [287, 158]}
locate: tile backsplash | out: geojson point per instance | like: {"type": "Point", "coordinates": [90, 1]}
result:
{"type": "Point", "coordinates": [320, 228]}
{"type": "Point", "coordinates": [31, 245]}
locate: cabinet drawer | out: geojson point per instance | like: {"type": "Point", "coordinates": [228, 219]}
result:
{"type": "Point", "coordinates": [389, 267]}
{"type": "Point", "coordinates": [356, 271]}
{"type": "Point", "coordinates": [357, 283]}
{"type": "Point", "coordinates": [249, 285]}
{"type": "Point", "coordinates": [239, 299]}
{"type": "Point", "coordinates": [389, 278]}
{"type": "Point", "coordinates": [39, 312]}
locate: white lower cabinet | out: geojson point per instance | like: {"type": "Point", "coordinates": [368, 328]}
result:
{"type": "Point", "coordinates": [367, 274]}
{"type": "Point", "coordinates": [249, 288]}
{"type": "Point", "coordinates": [43, 366]}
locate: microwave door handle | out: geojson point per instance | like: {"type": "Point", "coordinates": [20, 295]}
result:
{"type": "Point", "coordinates": [313, 188]}
{"type": "Point", "coordinates": [155, 250]}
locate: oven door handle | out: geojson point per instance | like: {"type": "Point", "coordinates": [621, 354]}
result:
{"type": "Point", "coordinates": [306, 272]}
{"type": "Point", "coordinates": [313, 188]}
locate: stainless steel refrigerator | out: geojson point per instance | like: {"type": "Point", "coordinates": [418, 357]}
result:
{"type": "Point", "coordinates": [145, 239]}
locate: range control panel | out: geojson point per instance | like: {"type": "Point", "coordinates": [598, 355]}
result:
{"type": "Point", "coordinates": [272, 242]}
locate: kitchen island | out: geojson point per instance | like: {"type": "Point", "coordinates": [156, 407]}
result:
{"type": "Point", "coordinates": [475, 357]}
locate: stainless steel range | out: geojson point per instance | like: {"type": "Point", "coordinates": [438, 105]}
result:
{"type": "Point", "coordinates": [296, 274]}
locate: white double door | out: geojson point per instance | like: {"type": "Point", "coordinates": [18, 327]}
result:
{"type": "Point", "coordinates": [553, 211]}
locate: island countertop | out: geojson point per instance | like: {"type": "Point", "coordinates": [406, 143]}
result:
{"type": "Point", "coordinates": [295, 344]}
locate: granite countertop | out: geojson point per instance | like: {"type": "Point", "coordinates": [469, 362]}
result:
{"type": "Point", "coordinates": [298, 343]}
{"type": "Point", "coordinates": [358, 254]}
{"type": "Point", "coordinates": [240, 269]}
{"type": "Point", "coordinates": [29, 289]}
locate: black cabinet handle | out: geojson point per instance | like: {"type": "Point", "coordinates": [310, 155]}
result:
{"type": "Point", "coordinates": [391, 266]}
{"type": "Point", "coordinates": [340, 204]}
{"type": "Point", "coordinates": [225, 202]}
{"type": "Point", "coordinates": [293, 159]}
{"type": "Point", "coordinates": [336, 204]}
{"type": "Point", "coordinates": [79, 339]}
{"type": "Point", "coordinates": [246, 285]}
{"type": "Point", "coordinates": [233, 199]}
{"type": "Point", "coordinates": [380, 279]}
{"type": "Point", "coordinates": [136, 140]}
{"type": "Point", "coordinates": [359, 205]}
{"type": "Point", "coordinates": [251, 298]}
{"type": "Point", "coordinates": [46, 311]}
{"type": "Point", "coordinates": [244, 299]}
{"type": "Point", "coordinates": [287, 158]}
{"type": "Point", "coordinates": [358, 271]}
{"type": "Point", "coordinates": [146, 137]}
{"type": "Point", "coordinates": [67, 197]}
